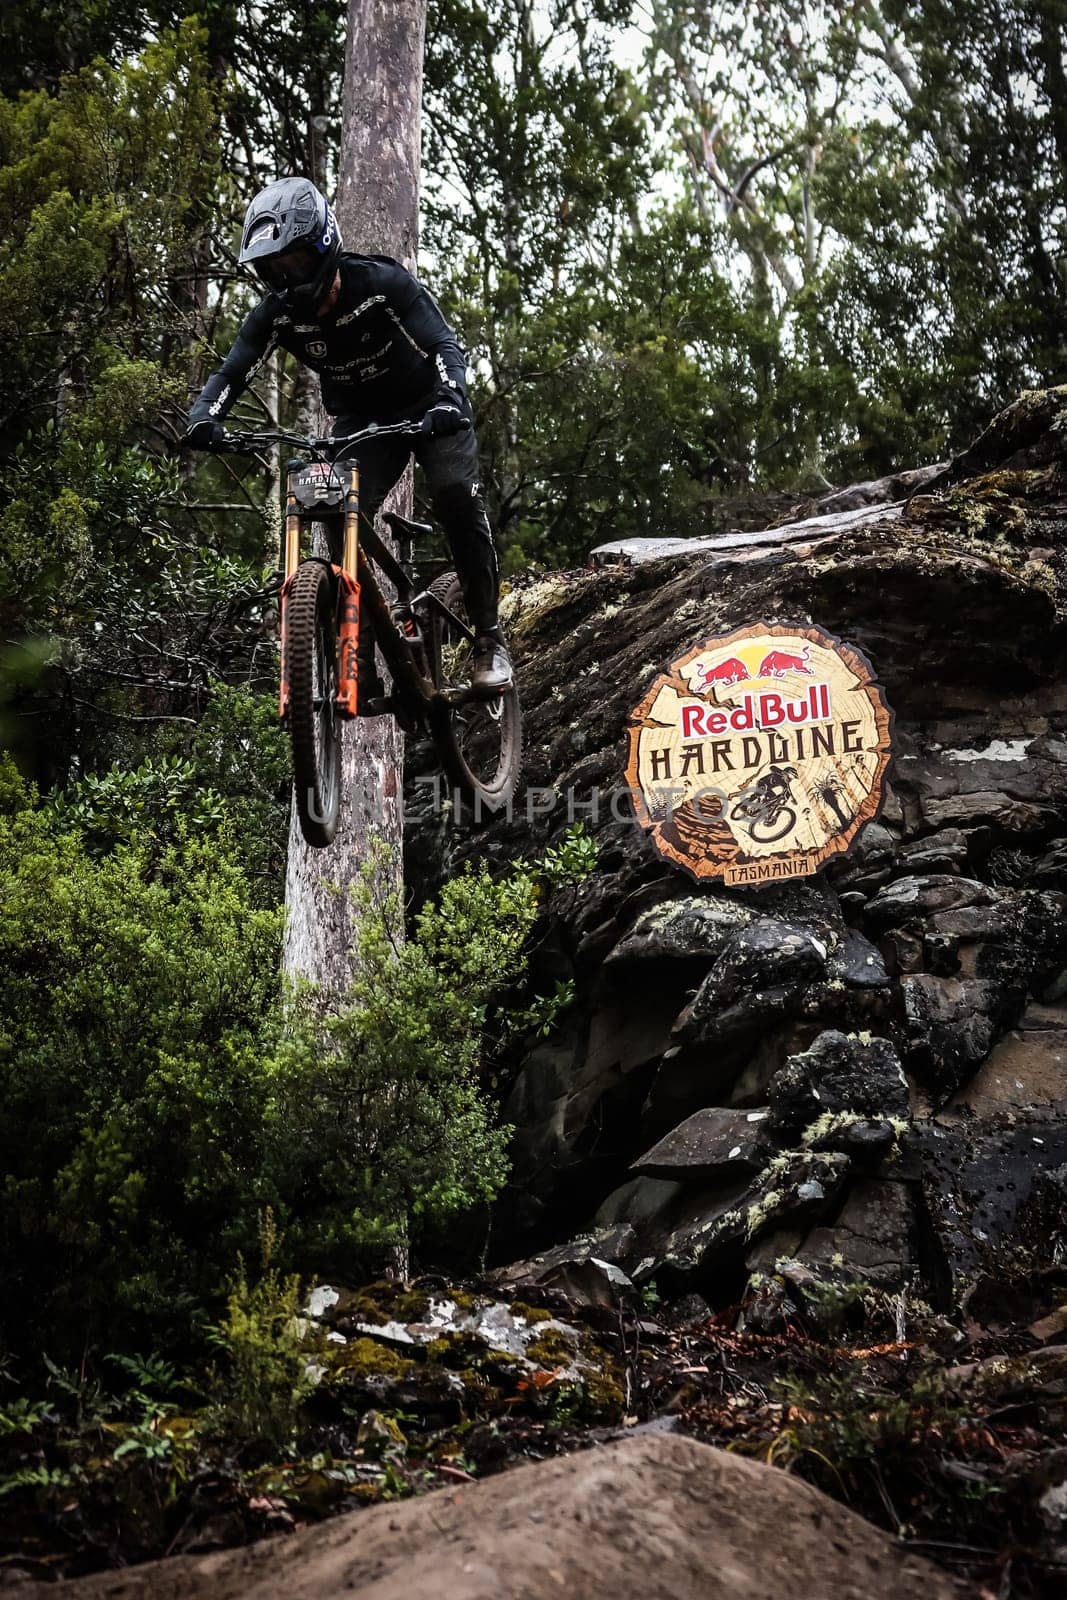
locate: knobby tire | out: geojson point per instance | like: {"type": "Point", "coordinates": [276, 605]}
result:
{"type": "Point", "coordinates": [481, 757]}
{"type": "Point", "coordinates": [314, 728]}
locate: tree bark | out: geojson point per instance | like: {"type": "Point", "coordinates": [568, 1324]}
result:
{"type": "Point", "coordinates": [378, 209]}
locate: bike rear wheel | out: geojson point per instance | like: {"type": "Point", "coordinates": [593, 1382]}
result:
{"type": "Point", "coordinates": [314, 727]}
{"type": "Point", "coordinates": [479, 740]}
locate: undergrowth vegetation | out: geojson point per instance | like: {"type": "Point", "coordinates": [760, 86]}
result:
{"type": "Point", "coordinates": [159, 1092]}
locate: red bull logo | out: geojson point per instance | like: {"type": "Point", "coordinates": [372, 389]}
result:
{"type": "Point", "coordinates": [732, 670]}
{"type": "Point", "coordinates": [776, 663]}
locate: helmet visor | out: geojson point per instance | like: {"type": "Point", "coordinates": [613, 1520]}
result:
{"type": "Point", "coordinates": [296, 267]}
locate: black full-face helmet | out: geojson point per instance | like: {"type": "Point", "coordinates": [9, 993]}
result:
{"type": "Point", "coordinates": [292, 240]}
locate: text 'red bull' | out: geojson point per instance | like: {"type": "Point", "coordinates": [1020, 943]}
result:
{"type": "Point", "coordinates": [768, 710]}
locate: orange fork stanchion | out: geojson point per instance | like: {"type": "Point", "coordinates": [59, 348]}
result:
{"type": "Point", "coordinates": [292, 561]}
{"type": "Point", "coordinates": [348, 589]}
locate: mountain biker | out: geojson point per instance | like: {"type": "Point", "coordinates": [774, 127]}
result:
{"type": "Point", "coordinates": [384, 354]}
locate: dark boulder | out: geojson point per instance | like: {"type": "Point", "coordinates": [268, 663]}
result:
{"type": "Point", "coordinates": [857, 963]}
{"type": "Point", "coordinates": [911, 900]}
{"type": "Point", "coordinates": [978, 1181]}
{"type": "Point", "coordinates": [799, 1187]}
{"type": "Point", "coordinates": [760, 975]}
{"type": "Point", "coordinates": [872, 1238]}
{"type": "Point", "coordinates": [709, 1144]}
{"type": "Point", "coordinates": [694, 930]}
{"type": "Point", "coordinates": [841, 1081]}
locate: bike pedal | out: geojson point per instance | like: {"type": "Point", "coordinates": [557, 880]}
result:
{"type": "Point", "coordinates": [377, 706]}
{"type": "Point", "coordinates": [388, 705]}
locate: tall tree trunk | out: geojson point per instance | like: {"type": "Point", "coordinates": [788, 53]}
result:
{"type": "Point", "coordinates": [378, 209]}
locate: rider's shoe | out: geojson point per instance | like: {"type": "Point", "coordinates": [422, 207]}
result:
{"type": "Point", "coordinates": [491, 671]}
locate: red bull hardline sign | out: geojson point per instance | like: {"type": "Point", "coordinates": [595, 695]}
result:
{"type": "Point", "coordinates": [760, 755]}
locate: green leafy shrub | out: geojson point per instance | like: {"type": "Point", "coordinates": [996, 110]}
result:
{"type": "Point", "coordinates": [151, 802]}
{"type": "Point", "coordinates": [134, 1018]}
{"type": "Point", "coordinates": [379, 1122]}
{"type": "Point", "coordinates": [240, 751]}
{"type": "Point", "coordinates": [573, 859]}
{"type": "Point", "coordinates": [154, 1098]}
{"type": "Point", "coordinates": [266, 1375]}
{"type": "Point", "coordinates": [230, 775]}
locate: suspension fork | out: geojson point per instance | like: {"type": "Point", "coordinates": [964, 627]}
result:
{"type": "Point", "coordinates": [292, 561]}
{"type": "Point", "coordinates": [347, 575]}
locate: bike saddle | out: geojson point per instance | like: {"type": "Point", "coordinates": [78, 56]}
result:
{"type": "Point", "coordinates": [405, 527]}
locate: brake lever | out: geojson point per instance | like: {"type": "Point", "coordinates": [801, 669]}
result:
{"type": "Point", "coordinates": [237, 444]}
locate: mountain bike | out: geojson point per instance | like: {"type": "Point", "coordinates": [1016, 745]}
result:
{"type": "Point", "coordinates": [423, 633]}
{"type": "Point", "coordinates": [765, 807]}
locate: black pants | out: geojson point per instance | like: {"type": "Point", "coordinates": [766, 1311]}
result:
{"type": "Point", "coordinates": [450, 463]}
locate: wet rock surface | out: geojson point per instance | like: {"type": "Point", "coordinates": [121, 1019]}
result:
{"type": "Point", "coordinates": [708, 1144]}
{"type": "Point", "coordinates": [872, 1238]}
{"type": "Point", "coordinates": [977, 1179]}
{"type": "Point", "coordinates": [841, 1081]}
{"type": "Point", "coordinates": [761, 973]}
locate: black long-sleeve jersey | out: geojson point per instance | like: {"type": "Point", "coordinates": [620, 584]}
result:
{"type": "Point", "coordinates": [382, 347]}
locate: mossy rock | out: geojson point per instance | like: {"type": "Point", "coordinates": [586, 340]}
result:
{"type": "Point", "coordinates": [482, 1397]}
{"type": "Point", "coordinates": [382, 1302]}
{"type": "Point", "coordinates": [982, 509]}
{"type": "Point", "coordinates": [530, 1314]}
{"type": "Point", "coordinates": [464, 1351]}
{"type": "Point", "coordinates": [367, 1358]}
{"type": "Point", "coordinates": [380, 1435]}
{"type": "Point", "coordinates": [312, 1489]}
{"type": "Point", "coordinates": [553, 1348]}
{"type": "Point", "coordinates": [604, 1398]}
{"type": "Point", "coordinates": [463, 1299]}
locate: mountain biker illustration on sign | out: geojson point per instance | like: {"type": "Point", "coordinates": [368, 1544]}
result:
{"type": "Point", "coordinates": [384, 354]}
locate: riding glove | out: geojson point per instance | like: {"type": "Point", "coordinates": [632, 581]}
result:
{"type": "Point", "coordinates": [205, 435]}
{"type": "Point", "coordinates": [445, 415]}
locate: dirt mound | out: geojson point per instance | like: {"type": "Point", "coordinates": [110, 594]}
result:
{"type": "Point", "coordinates": [649, 1517]}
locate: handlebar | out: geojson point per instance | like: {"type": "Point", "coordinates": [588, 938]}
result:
{"type": "Point", "coordinates": [248, 444]}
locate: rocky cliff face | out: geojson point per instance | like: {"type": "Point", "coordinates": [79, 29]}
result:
{"type": "Point", "coordinates": [858, 1075]}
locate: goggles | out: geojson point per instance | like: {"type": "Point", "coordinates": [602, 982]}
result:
{"type": "Point", "coordinates": [289, 271]}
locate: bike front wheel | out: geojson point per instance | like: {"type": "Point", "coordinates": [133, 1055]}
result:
{"type": "Point", "coordinates": [314, 728]}
{"type": "Point", "coordinates": [479, 740]}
